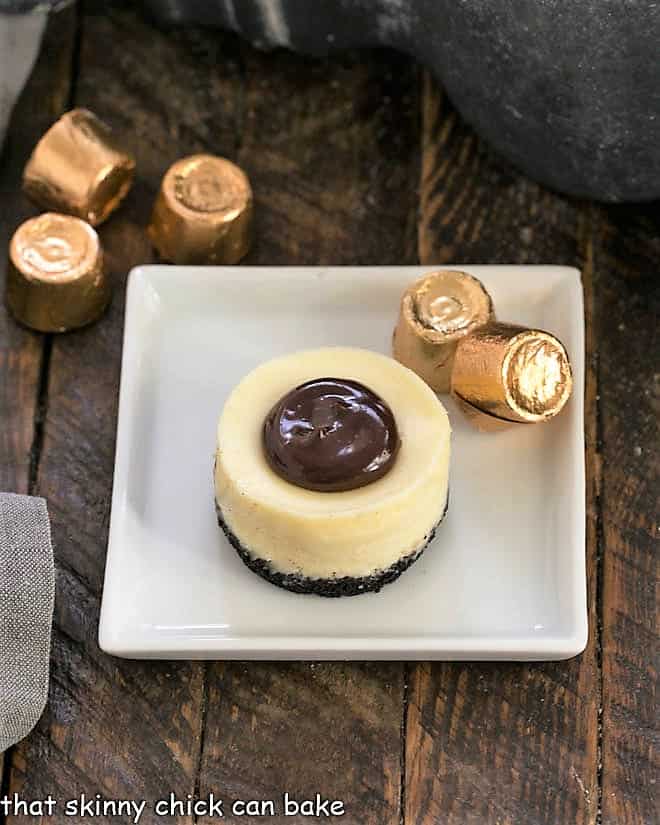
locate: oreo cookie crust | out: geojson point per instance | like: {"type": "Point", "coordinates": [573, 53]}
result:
{"type": "Point", "coordinates": [329, 588]}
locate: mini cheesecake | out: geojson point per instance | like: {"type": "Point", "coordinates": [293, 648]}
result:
{"type": "Point", "coordinates": [331, 471]}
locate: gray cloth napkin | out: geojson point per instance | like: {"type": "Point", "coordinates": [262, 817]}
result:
{"type": "Point", "coordinates": [27, 592]}
{"type": "Point", "coordinates": [20, 37]}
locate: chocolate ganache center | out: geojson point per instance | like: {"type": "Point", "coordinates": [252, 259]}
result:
{"type": "Point", "coordinates": [330, 435]}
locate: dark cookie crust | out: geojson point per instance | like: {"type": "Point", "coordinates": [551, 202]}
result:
{"type": "Point", "coordinates": [330, 588]}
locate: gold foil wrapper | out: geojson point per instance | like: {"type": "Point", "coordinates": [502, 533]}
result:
{"type": "Point", "coordinates": [203, 212]}
{"type": "Point", "coordinates": [78, 169]}
{"type": "Point", "coordinates": [438, 311]}
{"type": "Point", "coordinates": [55, 277]}
{"type": "Point", "coordinates": [512, 373]}
{"type": "Point", "coordinates": [482, 421]}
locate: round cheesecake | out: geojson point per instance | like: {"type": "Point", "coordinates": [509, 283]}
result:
{"type": "Point", "coordinates": [331, 471]}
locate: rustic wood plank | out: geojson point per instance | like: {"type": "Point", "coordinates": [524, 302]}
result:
{"type": "Point", "coordinates": [502, 743]}
{"type": "Point", "coordinates": [627, 259]}
{"type": "Point", "coordinates": [334, 165]}
{"type": "Point", "coordinates": [22, 351]}
{"type": "Point", "coordinates": [332, 149]}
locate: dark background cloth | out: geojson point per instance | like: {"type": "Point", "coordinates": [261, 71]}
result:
{"type": "Point", "coordinates": [22, 6]}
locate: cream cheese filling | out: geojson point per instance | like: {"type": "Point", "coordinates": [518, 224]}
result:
{"type": "Point", "coordinates": [324, 535]}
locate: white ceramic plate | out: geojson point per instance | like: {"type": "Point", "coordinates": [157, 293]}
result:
{"type": "Point", "coordinates": [505, 576]}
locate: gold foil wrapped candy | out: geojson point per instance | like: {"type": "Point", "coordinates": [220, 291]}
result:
{"type": "Point", "coordinates": [78, 169]}
{"type": "Point", "coordinates": [511, 374]}
{"type": "Point", "coordinates": [55, 277]}
{"type": "Point", "coordinates": [481, 420]}
{"type": "Point", "coordinates": [437, 312]}
{"type": "Point", "coordinates": [203, 212]}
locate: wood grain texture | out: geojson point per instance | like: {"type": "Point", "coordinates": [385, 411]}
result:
{"type": "Point", "coordinates": [627, 259]}
{"type": "Point", "coordinates": [332, 150]}
{"type": "Point", "coordinates": [22, 351]}
{"type": "Point", "coordinates": [512, 744]}
{"type": "Point", "coordinates": [306, 728]}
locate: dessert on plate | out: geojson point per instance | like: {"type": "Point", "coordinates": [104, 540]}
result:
{"type": "Point", "coordinates": [331, 470]}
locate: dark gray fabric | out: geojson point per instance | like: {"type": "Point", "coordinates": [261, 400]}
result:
{"type": "Point", "coordinates": [22, 6]}
{"type": "Point", "coordinates": [27, 591]}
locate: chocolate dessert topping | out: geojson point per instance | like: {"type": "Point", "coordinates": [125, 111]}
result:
{"type": "Point", "coordinates": [330, 435]}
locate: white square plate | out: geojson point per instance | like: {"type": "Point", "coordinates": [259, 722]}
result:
{"type": "Point", "coordinates": [505, 576]}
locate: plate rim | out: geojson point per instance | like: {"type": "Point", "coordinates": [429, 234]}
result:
{"type": "Point", "coordinates": [413, 647]}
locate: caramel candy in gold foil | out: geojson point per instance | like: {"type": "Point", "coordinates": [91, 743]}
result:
{"type": "Point", "coordinates": [55, 278]}
{"type": "Point", "coordinates": [77, 168]}
{"type": "Point", "coordinates": [203, 212]}
{"type": "Point", "coordinates": [481, 420]}
{"type": "Point", "coordinates": [512, 373]}
{"type": "Point", "coordinates": [437, 311]}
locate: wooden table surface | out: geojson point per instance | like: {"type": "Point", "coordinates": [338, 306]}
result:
{"type": "Point", "coordinates": [357, 159]}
